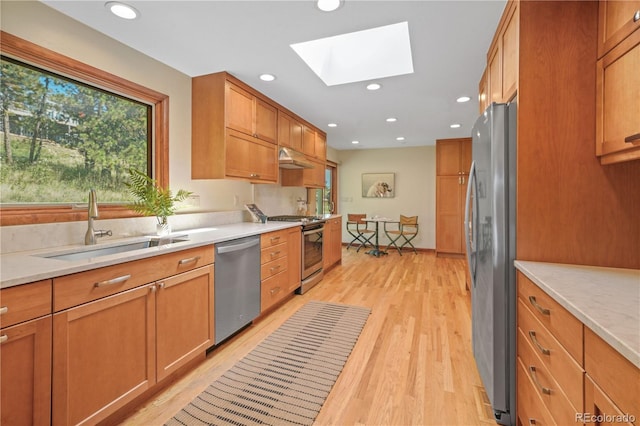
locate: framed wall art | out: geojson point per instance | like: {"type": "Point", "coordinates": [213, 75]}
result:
{"type": "Point", "coordinates": [378, 185]}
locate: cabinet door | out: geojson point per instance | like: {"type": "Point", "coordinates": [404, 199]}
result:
{"type": "Point", "coordinates": [240, 109]}
{"type": "Point", "coordinates": [296, 135]}
{"type": "Point", "coordinates": [617, 19]}
{"type": "Point", "coordinates": [103, 356]}
{"type": "Point", "coordinates": [184, 326]}
{"type": "Point", "coordinates": [618, 102]}
{"type": "Point", "coordinates": [308, 141]}
{"type": "Point", "coordinates": [314, 178]}
{"type": "Point", "coordinates": [453, 157]}
{"type": "Point", "coordinates": [284, 130]}
{"type": "Point", "coordinates": [25, 373]}
{"type": "Point", "coordinates": [266, 121]}
{"type": "Point", "coordinates": [495, 74]}
{"type": "Point", "coordinates": [449, 215]}
{"type": "Point", "coordinates": [510, 56]}
{"type": "Point", "coordinates": [250, 158]}
{"type": "Point", "coordinates": [483, 93]}
{"type": "Point", "coordinates": [321, 146]}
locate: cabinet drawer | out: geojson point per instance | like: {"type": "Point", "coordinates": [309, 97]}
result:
{"type": "Point", "coordinates": [24, 302]}
{"type": "Point", "coordinates": [553, 396]}
{"type": "Point", "coordinates": [273, 238]}
{"type": "Point", "coordinates": [271, 253]}
{"type": "Point", "coordinates": [614, 374]}
{"type": "Point", "coordinates": [555, 358]}
{"type": "Point", "coordinates": [272, 268]}
{"type": "Point", "coordinates": [531, 409]}
{"type": "Point", "coordinates": [272, 290]}
{"type": "Point", "coordinates": [563, 325]}
{"type": "Point", "coordinates": [75, 289]}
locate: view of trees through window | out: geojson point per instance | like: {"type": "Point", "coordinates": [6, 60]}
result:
{"type": "Point", "coordinates": [61, 138]}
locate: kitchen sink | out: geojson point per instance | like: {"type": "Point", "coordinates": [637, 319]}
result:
{"type": "Point", "coordinates": [88, 253]}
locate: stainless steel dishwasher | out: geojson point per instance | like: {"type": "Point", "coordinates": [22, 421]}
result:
{"type": "Point", "coordinates": [236, 285]}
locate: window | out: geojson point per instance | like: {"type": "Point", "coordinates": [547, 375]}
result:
{"type": "Point", "coordinates": [326, 198]}
{"type": "Point", "coordinates": [66, 134]}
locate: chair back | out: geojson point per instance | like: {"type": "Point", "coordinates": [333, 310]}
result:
{"type": "Point", "coordinates": [408, 220]}
{"type": "Point", "coordinates": [356, 218]}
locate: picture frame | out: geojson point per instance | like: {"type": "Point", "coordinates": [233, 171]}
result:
{"type": "Point", "coordinates": [378, 185]}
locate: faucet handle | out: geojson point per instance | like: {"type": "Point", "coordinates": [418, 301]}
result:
{"type": "Point", "coordinates": [103, 233]}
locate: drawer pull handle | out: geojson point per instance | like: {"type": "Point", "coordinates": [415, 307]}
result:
{"type": "Point", "coordinates": [275, 268]}
{"type": "Point", "coordinates": [275, 290]}
{"type": "Point", "coordinates": [4, 310]}
{"type": "Point", "coordinates": [534, 376]}
{"type": "Point", "coordinates": [275, 253]}
{"type": "Point", "coordinates": [532, 422]}
{"type": "Point", "coordinates": [632, 138]}
{"type": "Point", "coordinates": [275, 239]}
{"type": "Point", "coordinates": [113, 281]}
{"type": "Point", "coordinates": [3, 338]}
{"type": "Point", "coordinates": [534, 339]}
{"type": "Point", "coordinates": [189, 260]}
{"type": "Point", "coordinates": [543, 311]}
{"type": "Point", "coordinates": [636, 16]}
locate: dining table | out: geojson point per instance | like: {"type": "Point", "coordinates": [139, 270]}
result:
{"type": "Point", "coordinates": [375, 251]}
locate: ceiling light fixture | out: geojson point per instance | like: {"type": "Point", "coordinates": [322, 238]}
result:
{"type": "Point", "coordinates": [373, 86]}
{"type": "Point", "coordinates": [462, 99]}
{"type": "Point", "coordinates": [455, 126]}
{"type": "Point", "coordinates": [122, 10]}
{"type": "Point", "coordinates": [391, 120]}
{"type": "Point", "coordinates": [328, 5]}
{"type": "Point", "coordinates": [267, 77]}
{"type": "Point", "coordinates": [355, 142]}
{"type": "Point", "coordinates": [400, 138]}
{"type": "Point", "coordinates": [332, 125]}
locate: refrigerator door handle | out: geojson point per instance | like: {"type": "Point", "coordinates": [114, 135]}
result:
{"type": "Point", "coordinates": [469, 228]}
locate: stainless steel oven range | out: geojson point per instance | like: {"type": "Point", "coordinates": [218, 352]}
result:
{"type": "Point", "coordinates": [311, 257]}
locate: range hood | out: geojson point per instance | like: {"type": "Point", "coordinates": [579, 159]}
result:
{"type": "Point", "coordinates": [291, 159]}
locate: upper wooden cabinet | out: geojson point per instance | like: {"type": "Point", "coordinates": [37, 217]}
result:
{"type": "Point", "coordinates": [483, 92]}
{"type": "Point", "coordinates": [618, 84]}
{"type": "Point", "coordinates": [502, 59]}
{"type": "Point", "coordinates": [234, 131]}
{"type": "Point", "coordinates": [289, 131]}
{"type": "Point", "coordinates": [616, 20]}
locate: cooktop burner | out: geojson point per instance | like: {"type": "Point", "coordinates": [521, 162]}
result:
{"type": "Point", "coordinates": [295, 218]}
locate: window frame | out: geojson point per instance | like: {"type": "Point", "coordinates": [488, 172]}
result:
{"type": "Point", "coordinates": [41, 57]}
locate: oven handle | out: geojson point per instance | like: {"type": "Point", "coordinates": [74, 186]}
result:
{"type": "Point", "coordinates": [314, 231]}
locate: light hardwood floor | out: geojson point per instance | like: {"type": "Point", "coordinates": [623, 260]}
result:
{"type": "Point", "coordinates": [412, 365]}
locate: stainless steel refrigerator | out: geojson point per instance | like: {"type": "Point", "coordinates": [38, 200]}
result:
{"type": "Point", "coordinates": [490, 228]}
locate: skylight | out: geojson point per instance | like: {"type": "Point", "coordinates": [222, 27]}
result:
{"type": "Point", "coordinates": [359, 56]}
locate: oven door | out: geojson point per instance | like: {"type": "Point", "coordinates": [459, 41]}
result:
{"type": "Point", "coordinates": [311, 251]}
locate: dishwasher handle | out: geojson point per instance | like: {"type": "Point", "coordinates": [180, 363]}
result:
{"type": "Point", "coordinates": [237, 247]}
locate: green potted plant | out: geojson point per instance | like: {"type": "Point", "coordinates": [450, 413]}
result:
{"type": "Point", "coordinates": [153, 200]}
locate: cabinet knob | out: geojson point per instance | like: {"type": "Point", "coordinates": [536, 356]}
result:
{"type": "Point", "coordinates": [636, 16]}
{"type": "Point", "coordinates": [3, 338]}
{"type": "Point", "coordinates": [4, 310]}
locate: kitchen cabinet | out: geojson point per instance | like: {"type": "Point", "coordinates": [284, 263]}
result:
{"type": "Point", "coordinates": [453, 161]}
{"type": "Point", "coordinates": [321, 146]}
{"type": "Point", "coordinates": [332, 243]}
{"type": "Point", "coordinates": [121, 329]}
{"type": "Point", "coordinates": [483, 93]}
{"type": "Point", "coordinates": [502, 59]}
{"type": "Point", "coordinates": [274, 269]}
{"type": "Point", "coordinates": [309, 178]}
{"type": "Point", "coordinates": [308, 141]}
{"type": "Point", "coordinates": [289, 131]}
{"type": "Point", "coordinates": [616, 21]}
{"type": "Point", "coordinates": [25, 345]}
{"type": "Point", "coordinates": [234, 131]}
{"type": "Point", "coordinates": [618, 99]}
{"type": "Point", "coordinates": [549, 358]}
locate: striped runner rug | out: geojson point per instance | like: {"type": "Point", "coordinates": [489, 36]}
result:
{"type": "Point", "coordinates": [287, 377]}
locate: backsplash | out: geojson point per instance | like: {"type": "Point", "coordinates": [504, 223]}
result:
{"type": "Point", "coordinates": [33, 237]}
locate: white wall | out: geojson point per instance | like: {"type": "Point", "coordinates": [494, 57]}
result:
{"type": "Point", "coordinates": [415, 194]}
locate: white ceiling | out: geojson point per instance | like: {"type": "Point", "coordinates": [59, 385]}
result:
{"type": "Point", "coordinates": [449, 42]}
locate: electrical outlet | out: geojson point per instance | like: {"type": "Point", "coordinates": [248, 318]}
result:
{"type": "Point", "coordinates": [193, 200]}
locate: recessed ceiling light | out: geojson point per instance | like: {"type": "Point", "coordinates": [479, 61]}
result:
{"type": "Point", "coordinates": [332, 125]}
{"type": "Point", "coordinates": [328, 5]}
{"type": "Point", "coordinates": [455, 126]}
{"type": "Point", "coordinates": [400, 138]}
{"type": "Point", "coordinates": [122, 10]}
{"type": "Point", "coordinates": [373, 86]}
{"type": "Point", "coordinates": [355, 142]}
{"type": "Point", "coordinates": [392, 120]}
{"type": "Point", "coordinates": [463, 99]}
{"type": "Point", "coordinates": [267, 77]}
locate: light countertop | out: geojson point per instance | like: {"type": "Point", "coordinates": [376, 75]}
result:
{"type": "Point", "coordinates": [607, 300]}
{"type": "Point", "coordinates": [29, 266]}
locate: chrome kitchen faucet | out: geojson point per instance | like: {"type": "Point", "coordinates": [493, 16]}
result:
{"type": "Point", "coordinates": [91, 236]}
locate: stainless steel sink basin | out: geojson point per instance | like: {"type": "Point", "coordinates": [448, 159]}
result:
{"type": "Point", "coordinates": [92, 252]}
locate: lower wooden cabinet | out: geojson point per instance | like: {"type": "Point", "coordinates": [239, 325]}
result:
{"type": "Point", "coordinates": [274, 268]}
{"type": "Point", "coordinates": [25, 373]}
{"type": "Point", "coordinates": [110, 350]}
{"type": "Point", "coordinates": [332, 242]}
